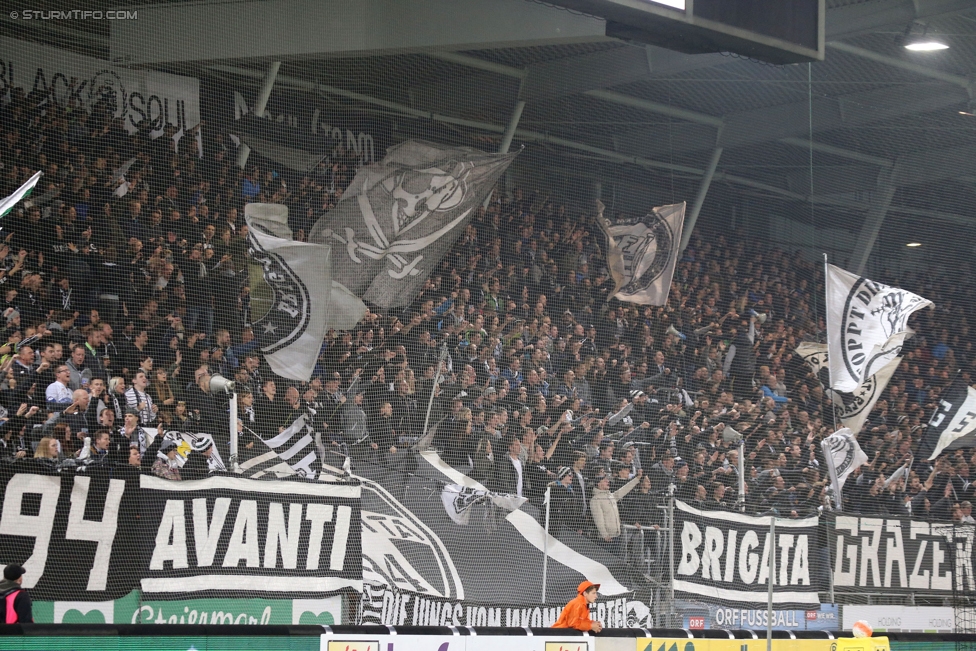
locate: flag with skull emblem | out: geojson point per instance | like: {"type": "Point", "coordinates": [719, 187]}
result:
{"type": "Point", "coordinates": [642, 252]}
{"type": "Point", "coordinates": [399, 217]}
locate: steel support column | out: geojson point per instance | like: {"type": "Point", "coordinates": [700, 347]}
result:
{"type": "Point", "coordinates": [262, 103]}
{"type": "Point", "coordinates": [872, 222]}
{"type": "Point", "coordinates": [692, 217]}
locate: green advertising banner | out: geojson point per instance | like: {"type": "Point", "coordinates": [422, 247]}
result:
{"type": "Point", "coordinates": [132, 609]}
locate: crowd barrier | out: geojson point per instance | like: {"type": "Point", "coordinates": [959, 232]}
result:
{"type": "Point", "coordinates": [95, 637]}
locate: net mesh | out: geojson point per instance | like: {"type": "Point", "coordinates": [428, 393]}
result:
{"type": "Point", "coordinates": [506, 427]}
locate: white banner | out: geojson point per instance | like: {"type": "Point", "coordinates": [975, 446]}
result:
{"type": "Point", "coordinates": [135, 95]}
{"type": "Point", "coordinates": [867, 324]}
{"type": "Point", "coordinates": [888, 619]}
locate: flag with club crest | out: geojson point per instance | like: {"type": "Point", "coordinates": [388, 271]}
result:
{"type": "Point", "coordinates": [867, 324]}
{"type": "Point", "coordinates": [642, 252]}
{"type": "Point", "coordinates": [290, 313]}
{"type": "Point", "coordinates": [851, 409]}
{"type": "Point", "coordinates": [843, 456]}
{"type": "Point", "coordinates": [399, 217]}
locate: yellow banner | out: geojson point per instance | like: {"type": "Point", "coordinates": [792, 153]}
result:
{"type": "Point", "coordinates": [686, 644]}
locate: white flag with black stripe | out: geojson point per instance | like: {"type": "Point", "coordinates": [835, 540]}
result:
{"type": "Point", "coordinates": [953, 424]}
{"type": "Point", "coordinates": [642, 252]}
{"type": "Point", "coordinates": [867, 324]}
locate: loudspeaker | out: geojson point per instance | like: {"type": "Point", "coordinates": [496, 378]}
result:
{"type": "Point", "coordinates": [673, 331]}
{"type": "Point", "coordinates": [220, 384]}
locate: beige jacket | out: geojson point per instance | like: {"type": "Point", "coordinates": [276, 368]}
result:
{"type": "Point", "coordinates": [603, 506]}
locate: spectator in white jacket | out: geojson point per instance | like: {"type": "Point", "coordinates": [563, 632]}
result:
{"type": "Point", "coordinates": [606, 514]}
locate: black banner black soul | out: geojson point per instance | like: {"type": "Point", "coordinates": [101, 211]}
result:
{"type": "Point", "coordinates": [99, 534]}
{"type": "Point", "coordinates": [901, 555]}
{"type": "Point", "coordinates": [725, 556]}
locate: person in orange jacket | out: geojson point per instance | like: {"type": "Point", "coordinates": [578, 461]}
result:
{"type": "Point", "coordinates": [576, 614]}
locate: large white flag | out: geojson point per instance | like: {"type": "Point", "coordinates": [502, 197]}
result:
{"type": "Point", "coordinates": [867, 324]}
{"type": "Point", "coordinates": [642, 252]}
{"type": "Point", "coordinates": [953, 423]}
{"type": "Point", "coordinates": [850, 409]}
{"type": "Point", "coordinates": [23, 191]}
{"type": "Point", "coordinates": [290, 310]}
{"type": "Point", "coordinates": [844, 456]}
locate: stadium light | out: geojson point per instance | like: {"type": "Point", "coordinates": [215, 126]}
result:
{"type": "Point", "coordinates": [926, 44]}
{"type": "Point", "coordinates": [913, 244]}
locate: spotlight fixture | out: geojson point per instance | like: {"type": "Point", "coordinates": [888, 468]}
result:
{"type": "Point", "coordinates": [914, 244]}
{"type": "Point", "coordinates": [920, 42]}
{"type": "Point", "coordinates": [926, 44]}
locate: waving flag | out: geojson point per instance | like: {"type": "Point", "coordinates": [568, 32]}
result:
{"type": "Point", "coordinates": [953, 423]}
{"type": "Point", "coordinates": [399, 217]}
{"type": "Point", "coordinates": [844, 455]}
{"type": "Point", "coordinates": [850, 409]}
{"type": "Point", "coordinates": [642, 252]}
{"type": "Point", "coordinates": [291, 312]}
{"type": "Point", "coordinates": [22, 192]}
{"type": "Point", "coordinates": [867, 324]}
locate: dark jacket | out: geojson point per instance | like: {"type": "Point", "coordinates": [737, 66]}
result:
{"type": "Point", "coordinates": [22, 603]}
{"type": "Point", "coordinates": [196, 467]}
{"type": "Point", "coordinates": [506, 477]}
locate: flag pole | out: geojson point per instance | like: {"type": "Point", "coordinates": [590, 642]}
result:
{"type": "Point", "coordinates": [545, 544]}
{"type": "Point", "coordinates": [433, 390]}
{"type": "Point", "coordinates": [769, 583]}
{"type": "Point", "coordinates": [832, 473]}
{"type": "Point", "coordinates": [833, 412]}
{"type": "Point", "coordinates": [232, 408]}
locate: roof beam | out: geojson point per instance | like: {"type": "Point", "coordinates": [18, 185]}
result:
{"type": "Point", "coordinates": [844, 22]}
{"type": "Point", "coordinates": [285, 29]}
{"type": "Point", "coordinates": [572, 75]}
{"type": "Point", "coordinates": [925, 71]}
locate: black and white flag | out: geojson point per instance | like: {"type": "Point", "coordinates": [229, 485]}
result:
{"type": "Point", "coordinates": [399, 217]}
{"type": "Point", "coordinates": [843, 455]}
{"type": "Point", "coordinates": [850, 409]}
{"type": "Point", "coordinates": [184, 444]}
{"type": "Point", "coordinates": [642, 252]}
{"type": "Point", "coordinates": [953, 424]}
{"type": "Point", "coordinates": [725, 556]}
{"type": "Point", "coordinates": [867, 324]}
{"type": "Point", "coordinates": [458, 501]}
{"type": "Point", "coordinates": [292, 452]}
{"type": "Point", "coordinates": [291, 314]}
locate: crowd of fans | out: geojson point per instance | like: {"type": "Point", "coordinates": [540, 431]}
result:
{"type": "Point", "coordinates": [124, 294]}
